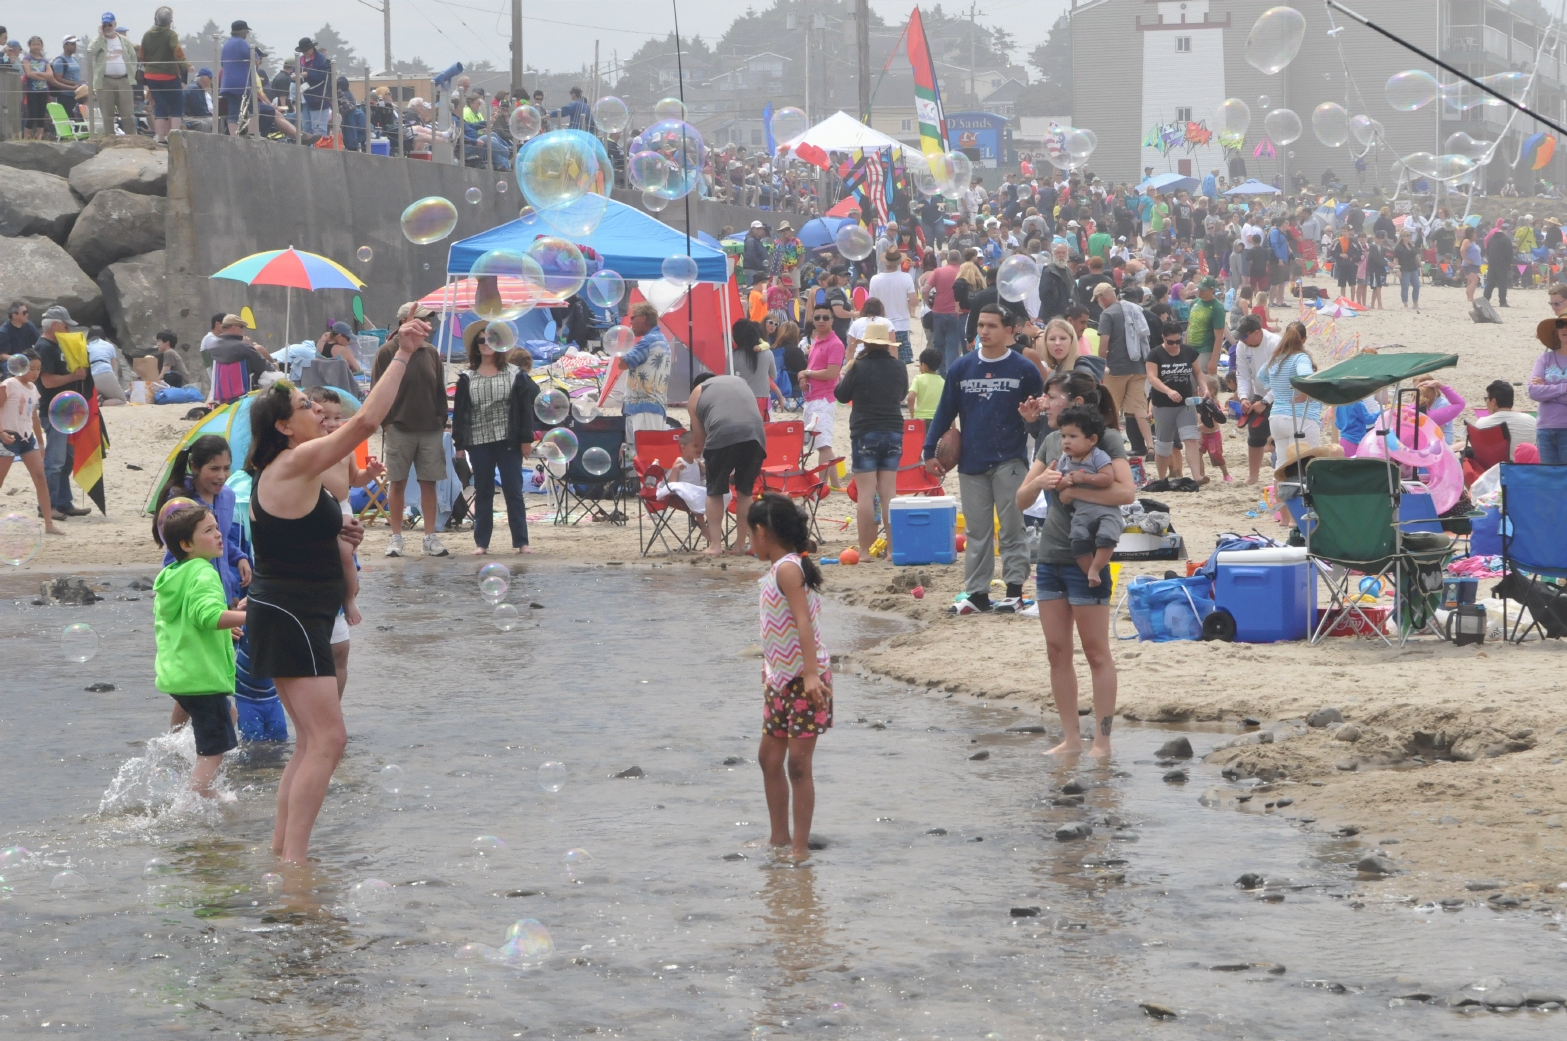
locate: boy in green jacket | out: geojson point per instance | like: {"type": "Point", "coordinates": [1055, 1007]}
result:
{"type": "Point", "coordinates": [195, 660]}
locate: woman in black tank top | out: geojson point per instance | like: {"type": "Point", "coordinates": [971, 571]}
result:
{"type": "Point", "coordinates": [298, 583]}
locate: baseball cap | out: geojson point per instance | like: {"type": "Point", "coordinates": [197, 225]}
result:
{"type": "Point", "coordinates": [342, 329]}
{"type": "Point", "coordinates": [69, 40]}
{"type": "Point", "coordinates": [232, 319]}
{"type": "Point", "coordinates": [758, 225]}
{"type": "Point", "coordinates": [58, 313]}
{"type": "Point", "coordinates": [108, 18]}
{"type": "Point", "coordinates": [239, 26]}
{"type": "Point", "coordinates": [1207, 282]}
{"type": "Point", "coordinates": [204, 72]}
{"type": "Point", "coordinates": [414, 309]}
{"type": "Point", "coordinates": [1103, 288]}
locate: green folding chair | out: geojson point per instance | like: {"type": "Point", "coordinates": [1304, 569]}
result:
{"type": "Point", "coordinates": [66, 128]}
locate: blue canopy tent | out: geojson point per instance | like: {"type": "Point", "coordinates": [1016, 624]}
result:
{"type": "Point", "coordinates": [1170, 182]}
{"type": "Point", "coordinates": [1253, 187]}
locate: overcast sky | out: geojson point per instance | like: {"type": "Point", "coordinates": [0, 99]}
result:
{"type": "Point", "coordinates": [556, 36]}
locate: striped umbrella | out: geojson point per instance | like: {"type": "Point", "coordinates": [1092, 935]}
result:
{"type": "Point", "coordinates": [292, 269]}
{"type": "Point", "coordinates": [458, 297]}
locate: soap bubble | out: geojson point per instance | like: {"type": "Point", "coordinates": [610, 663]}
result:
{"type": "Point", "coordinates": [429, 220]}
{"type": "Point", "coordinates": [788, 124]}
{"type": "Point", "coordinates": [922, 176]}
{"type": "Point", "coordinates": [155, 867]}
{"type": "Point", "coordinates": [528, 943]}
{"type": "Point", "coordinates": [679, 269]}
{"type": "Point", "coordinates": [648, 170]}
{"type": "Point", "coordinates": [1079, 143]}
{"type": "Point", "coordinates": [369, 894]}
{"type": "Point", "coordinates": [506, 618]}
{"type": "Point", "coordinates": [605, 289]}
{"type": "Point", "coordinates": [611, 114]}
{"type": "Point", "coordinates": [1460, 144]}
{"type": "Point", "coordinates": [14, 857]}
{"type": "Point", "coordinates": [552, 776]}
{"type": "Point", "coordinates": [493, 589]}
{"type": "Point", "coordinates": [654, 203]}
{"type": "Point", "coordinates": [477, 952]}
{"type": "Point", "coordinates": [576, 862]}
{"type": "Point", "coordinates": [1454, 167]}
{"type": "Point", "coordinates": [1275, 39]}
{"type": "Point", "coordinates": [272, 882]}
{"type": "Point", "coordinates": [68, 879]}
{"type": "Point", "coordinates": [179, 502]}
{"type": "Point", "coordinates": [487, 844]}
{"type": "Point", "coordinates": [1330, 122]}
{"type": "Point", "coordinates": [365, 254]}
{"type": "Point", "coordinates": [474, 196]}
{"type": "Point", "coordinates": [78, 642]}
{"type": "Point", "coordinates": [854, 242]}
{"type": "Point", "coordinates": [1233, 117]}
{"type": "Point", "coordinates": [618, 339]}
{"type": "Point", "coordinates": [554, 462]}
{"type": "Point", "coordinates": [962, 169]}
{"type": "Point", "coordinates": [669, 108]}
{"type": "Point", "coordinates": [585, 408]}
{"type": "Point", "coordinates": [1018, 277]}
{"type": "Point", "coordinates": [561, 167]}
{"type": "Point", "coordinates": [1420, 164]}
{"type": "Point", "coordinates": [680, 148]}
{"type": "Point", "coordinates": [391, 778]}
{"type": "Point", "coordinates": [551, 406]}
{"type": "Point", "coordinates": [21, 537]}
{"type": "Point", "coordinates": [596, 461]}
{"type": "Point", "coordinates": [1292, 153]}
{"type": "Point", "coordinates": [490, 297]}
{"type": "Point", "coordinates": [1411, 90]}
{"type": "Point", "coordinates": [577, 218]}
{"type": "Point", "coordinates": [68, 412]}
{"type": "Point", "coordinates": [495, 569]}
{"type": "Point", "coordinates": [561, 438]}
{"type": "Point", "coordinates": [1263, 102]}
{"type": "Point", "coordinates": [525, 122]}
{"type": "Point", "coordinates": [561, 265]}
{"type": "Point", "coordinates": [1283, 125]}
{"type": "Point", "coordinates": [1511, 84]}
{"type": "Point", "coordinates": [502, 187]}
{"type": "Point", "coordinates": [501, 337]}
{"type": "Point", "coordinates": [1364, 129]}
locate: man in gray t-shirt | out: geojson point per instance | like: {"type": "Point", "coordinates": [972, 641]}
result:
{"type": "Point", "coordinates": [732, 438]}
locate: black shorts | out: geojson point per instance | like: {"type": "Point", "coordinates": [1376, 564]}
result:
{"type": "Point", "coordinates": [742, 461]}
{"type": "Point", "coordinates": [1257, 436]}
{"type": "Point", "coordinates": [210, 721]}
{"type": "Point", "coordinates": [289, 623]}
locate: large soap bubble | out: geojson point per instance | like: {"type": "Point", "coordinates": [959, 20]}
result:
{"type": "Point", "coordinates": [495, 569]}
{"type": "Point", "coordinates": [564, 441]}
{"type": "Point", "coordinates": [1283, 126]}
{"type": "Point", "coordinates": [619, 339]}
{"type": "Point", "coordinates": [654, 203]}
{"type": "Point", "coordinates": [788, 124]}
{"type": "Point", "coordinates": [585, 407]}
{"type": "Point", "coordinates": [962, 169]}
{"type": "Point", "coordinates": [17, 364]}
{"type": "Point", "coordinates": [854, 242]}
{"type": "Point", "coordinates": [932, 172]}
{"type": "Point", "coordinates": [577, 218]}
{"type": "Point", "coordinates": [1233, 117]}
{"type": "Point", "coordinates": [605, 289]}
{"type": "Point", "coordinates": [1364, 129]}
{"type": "Point", "coordinates": [596, 461]}
{"type": "Point", "coordinates": [498, 301]}
{"type": "Point", "coordinates": [78, 642]}
{"type": "Point", "coordinates": [1454, 167]}
{"type": "Point", "coordinates": [1018, 277]}
{"type": "Point", "coordinates": [610, 114]}
{"type": "Point", "coordinates": [1079, 143]}
{"type": "Point", "coordinates": [21, 537]}
{"type": "Point", "coordinates": [1330, 122]}
{"type": "Point", "coordinates": [501, 337]}
{"type": "Point", "coordinates": [1275, 39]}
{"type": "Point", "coordinates": [679, 269]}
{"type": "Point", "coordinates": [648, 170]}
{"type": "Point", "coordinates": [552, 776]}
{"type": "Point", "coordinates": [562, 166]}
{"type": "Point", "coordinates": [1511, 84]}
{"type": "Point", "coordinates": [551, 406]}
{"type": "Point", "coordinates": [492, 589]}
{"type": "Point", "coordinates": [68, 412]}
{"type": "Point", "coordinates": [1420, 164]}
{"type": "Point", "coordinates": [528, 943]}
{"type": "Point", "coordinates": [525, 123]}
{"type": "Point", "coordinates": [506, 617]}
{"type": "Point", "coordinates": [684, 154]}
{"type": "Point", "coordinates": [429, 220]}
{"type": "Point", "coordinates": [1411, 90]}
{"type": "Point", "coordinates": [669, 108]}
{"type": "Point", "coordinates": [561, 264]}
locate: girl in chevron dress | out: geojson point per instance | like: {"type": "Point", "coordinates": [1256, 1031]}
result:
{"type": "Point", "coordinates": [796, 668]}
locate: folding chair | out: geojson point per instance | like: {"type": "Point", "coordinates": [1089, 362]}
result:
{"type": "Point", "coordinates": [66, 128]}
{"type": "Point", "coordinates": [912, 477]}
{"type": "Point", "coordinates": [785, 445]}
{"type": "Point", "coordinates": [230, 382]}
{"type": "Point", "coordinates": [1532, 497]}
{"type": "Point", "coordinates": [580, 494]}
{"type": "Point", "coordinates": [1484, 449]}
{"type": "Point", "coordinates": [656, 451]}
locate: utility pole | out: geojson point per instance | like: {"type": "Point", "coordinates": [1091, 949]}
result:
{"type": "Point", "coordinates": [862, 40]}
{"type": "Point", "coordinates": [386, 36]}
{"type": "Point", "coordinates": [971, 34]}
{"type": "Point", "coordinates": [516, 49]}
{"type": "Point", "coordinates": [595, 91]}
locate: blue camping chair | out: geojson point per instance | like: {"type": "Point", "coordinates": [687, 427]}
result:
{"type": "Point", "coordinates": [1531, 537]}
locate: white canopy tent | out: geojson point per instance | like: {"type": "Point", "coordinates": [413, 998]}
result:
{"type": "Point", "coordinates": [841, 132]}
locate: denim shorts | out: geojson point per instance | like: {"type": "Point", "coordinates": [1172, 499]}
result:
{"type": "Point", "coordinates": [168, 98]}
{"type": "Point", "coordinates": [876, 450]}
{"type": "Point", "coordinates": [1067, 581]}
{"type": "Point", "coordinates": [19, 447]}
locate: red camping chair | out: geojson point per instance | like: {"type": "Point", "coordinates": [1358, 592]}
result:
{"type": "Point", "coordinates": [230, 382]}
{"type": "Point", "coordinates": [807, 487]}
{"type": "Point", "coordinates": [655, 451]}
{"type": "Point", "coordinates": [912, 478]}
{"type": "Point", "coordinates": [785, 445]}
{"type": "Point", "coordinates": [1486, 447]}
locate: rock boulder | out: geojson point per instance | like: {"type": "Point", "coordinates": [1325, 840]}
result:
{"type": "Point", "coordinates": [34, 203]}
{"type": "Point", "coordinates": [138, 170]}
{"type": "Point", "coordinates": [116, 224]}
{"type": "Point", "coordinates": [57, 158]}
{"type": "Point", "coordinates": [134, 293]}
{"type": "Point", "coordinates": [37, 271]}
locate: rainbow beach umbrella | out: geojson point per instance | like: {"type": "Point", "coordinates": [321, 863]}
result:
{"type": "Point", "coordinates": [291, 269]}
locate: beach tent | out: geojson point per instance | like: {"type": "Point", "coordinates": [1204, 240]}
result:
{"type": "Point", "coordinates": [841, 132]}
{"type": "Point", "coordinates": [1253, 187]}
{"type": "Point", "coordinates": [1170, 182]}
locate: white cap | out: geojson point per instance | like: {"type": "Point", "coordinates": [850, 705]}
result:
{"type": "Point", "coordinates": [758, 225]}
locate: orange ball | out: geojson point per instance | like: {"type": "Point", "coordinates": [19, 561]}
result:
{"type": "Point", "coordinates": [849, 556]}
{"type": "Point", "coordinates": [962, 541]}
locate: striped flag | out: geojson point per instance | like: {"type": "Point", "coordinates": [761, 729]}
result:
{"type": "Point", "coordinates": [927, 95]}
{"type": "Point", "coordinates": [89, 445]}
{"type": "Point", "coordinates": [869, 176]}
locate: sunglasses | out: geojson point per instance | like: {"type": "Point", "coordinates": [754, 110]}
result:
{"type": "Point", "coordinates": [821, 318]}
{"type": "Point", "coordinates": [1555, 302]}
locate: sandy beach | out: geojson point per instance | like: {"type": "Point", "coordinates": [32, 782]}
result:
{"type": "Point", "coordinates": [1456, 753]}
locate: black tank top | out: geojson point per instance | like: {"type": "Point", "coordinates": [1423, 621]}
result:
{"type": "Point", "coordinates": [302, 549]}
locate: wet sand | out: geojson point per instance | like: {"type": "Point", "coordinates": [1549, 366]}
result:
{"type": "Point", "coordinates": [1488, 721]}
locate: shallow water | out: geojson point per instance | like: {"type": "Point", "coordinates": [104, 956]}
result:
{"type": "Point", "coordinates": [676, 924]}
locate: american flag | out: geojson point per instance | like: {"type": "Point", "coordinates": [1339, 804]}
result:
{"type": "Point", "coordinates": [869, 177]}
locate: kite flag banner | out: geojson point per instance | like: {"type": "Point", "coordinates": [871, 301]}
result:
{"type": "Point", "coordinates": [767, 128]}
{"type": "Point", "coordinates": [89, 445]}
{"type": "Point", "coordinates": [869, 178]}
{"type": "Point", "coordinates": [927, 95]}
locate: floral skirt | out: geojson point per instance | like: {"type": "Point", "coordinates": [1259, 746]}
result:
{"type": "Point", "coordinates": [787, 712]}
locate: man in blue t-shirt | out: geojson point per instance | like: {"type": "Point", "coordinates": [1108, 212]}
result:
{"type": "Point", "coordinates": [234, 73]}
{"type": "Point", "coordinates": [983, 392]}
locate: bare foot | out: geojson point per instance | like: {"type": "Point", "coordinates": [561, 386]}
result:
{"type": "Point", "coordinates": [713, 551]}
{"type": "Point", "coordinates": [1100, 749]}
{"type": "Point", "coordinates": [1204, 479]}
{"type": "Point", "coordinates": [798, 854]}
{"type": "Point", "coordinates": [522, 549]}
{"type": "Point", "coordinates": [1071, 746]}
{"type": "Point", "coordinates": [52, 530]}
{"type": "Point", "coordinates": [479, 551]}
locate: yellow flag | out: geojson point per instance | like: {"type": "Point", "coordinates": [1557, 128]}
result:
{"type": "Point", "coordinates": [74, 347]}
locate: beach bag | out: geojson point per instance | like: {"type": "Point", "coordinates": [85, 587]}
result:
{"type": "Point", "coordinates": [1136, 331]}
{"type": "Point", "coordinates": [1169, 609]}
{"type": "Point", "coordinates": [176, 395]}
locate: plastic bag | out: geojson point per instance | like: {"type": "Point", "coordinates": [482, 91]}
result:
{"type": "Point", "coordinates": [1169, 609]}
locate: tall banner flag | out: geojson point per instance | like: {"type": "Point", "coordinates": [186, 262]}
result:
{"type": "Point", "coordinates": [91, 443]}
{"type": "Point", "coordinates": [927, 95]}
{"type": "Point", "coordinates": [767, 128]}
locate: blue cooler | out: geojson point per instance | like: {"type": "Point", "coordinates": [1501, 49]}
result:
{"type": "Point", "coordinates": [924, 529]}
{"type": "Point", "coordinates": [380, 146]}
{"type": "Point", "coordinates": [1269, 592]}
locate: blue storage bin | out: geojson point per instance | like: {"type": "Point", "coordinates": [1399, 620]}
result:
{"type": "Point", "coordinates": [1270, 593]}
{"type": "Point", "coordinates": [924, 529]}
{"type": "Point", "coordinates": [380, 146]}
